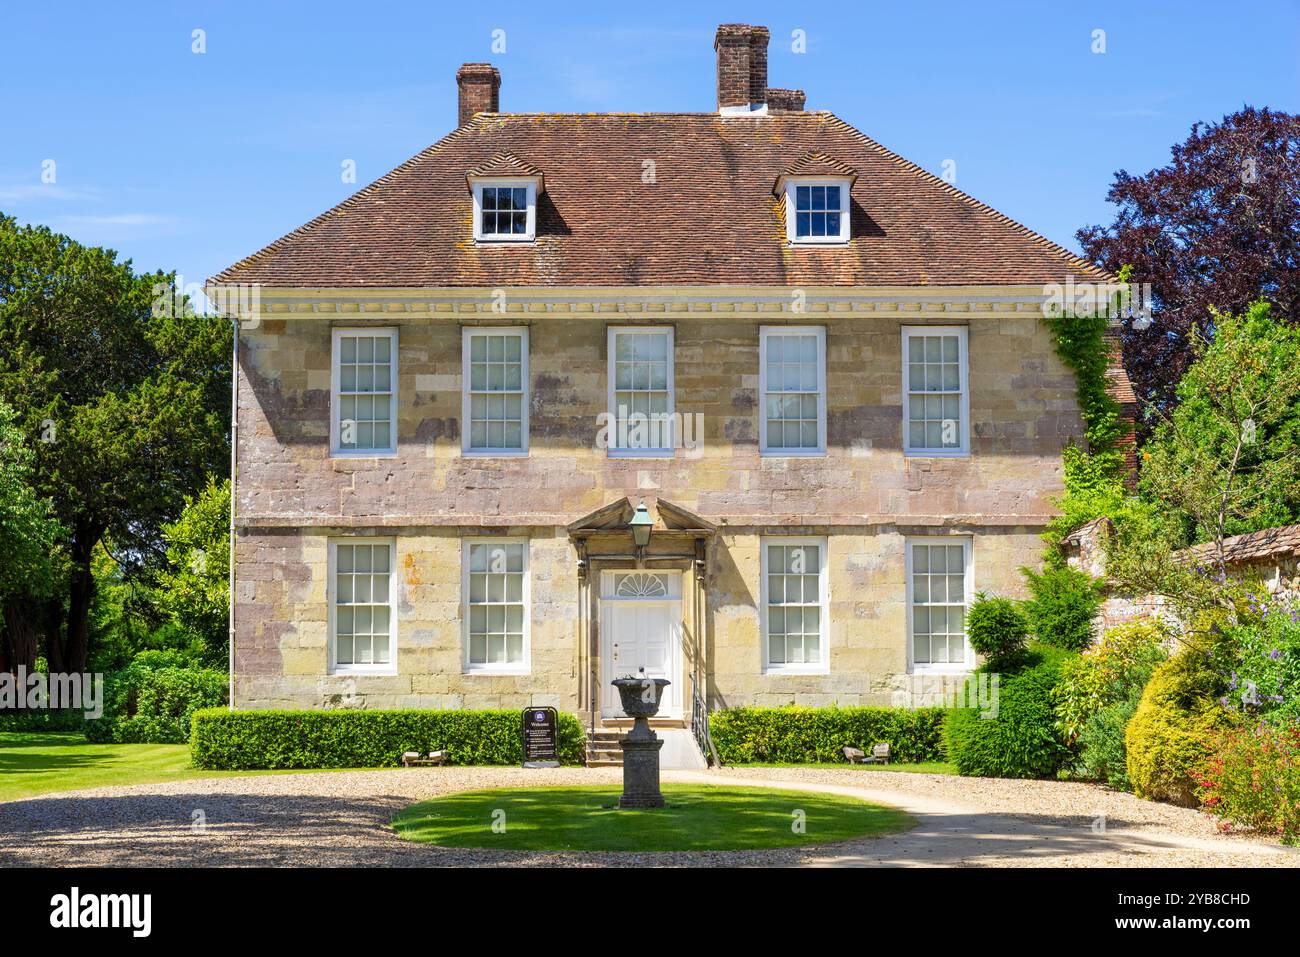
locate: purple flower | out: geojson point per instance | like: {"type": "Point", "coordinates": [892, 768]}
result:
{"type": "Point", "coordinates": [1223, 701]}
{"type": "Point", "coordinates": [1232, 686]}
{"type": "Point", "coordinates": [1275, 654]}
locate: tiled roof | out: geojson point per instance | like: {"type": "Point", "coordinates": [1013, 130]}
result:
{"type": "Point", "coordinates": [657, 199]}
{"type": "Point", "coordinates": [1283, 540]}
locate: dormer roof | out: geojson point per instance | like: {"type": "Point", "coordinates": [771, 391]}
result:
{"type": "Point", "coordinates": [506, 165]}
{"type": "Point", "coordinates": [815, 164]}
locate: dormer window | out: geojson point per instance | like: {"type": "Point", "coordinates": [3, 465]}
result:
{"type": "Point", "coordinates": [505, 199]}
{"type": "Point", "coordinates": [816, 191]}
{"type": "Point", "coordinates": [820, 212]}
{"type": "Point", "coordinates": [505, 210]}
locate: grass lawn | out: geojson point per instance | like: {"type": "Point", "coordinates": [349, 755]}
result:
{"type": "Point", "coordinates": [698, 818]}
{"type": "Point", "coordinates": [38, 762]}
{"type": "Point", "coordinates": [920, 767]}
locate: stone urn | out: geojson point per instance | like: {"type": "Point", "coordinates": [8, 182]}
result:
{"type": "Point", "coordinates": [641, 696]}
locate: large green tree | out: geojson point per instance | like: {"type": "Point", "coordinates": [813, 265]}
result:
{"type": "Point", "coordinates": [1227, 459]}
{"type": "Point", "coordinates": [28, 533]}
{"type": "Point", "coordinates": [126, 404]}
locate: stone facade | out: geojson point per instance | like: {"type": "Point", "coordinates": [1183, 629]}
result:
{"type": "Point", "coordinates": [863, 495]}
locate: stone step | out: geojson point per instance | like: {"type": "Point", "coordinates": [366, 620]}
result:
{"type": "Point", "coordinates": [604, 764]}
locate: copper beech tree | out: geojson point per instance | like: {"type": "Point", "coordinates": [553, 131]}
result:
{"type": "Point", "coordinates": [1217, 228]}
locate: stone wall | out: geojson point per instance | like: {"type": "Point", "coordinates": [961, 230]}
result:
{"type": "Point", "coordinates": [1022, 410]}
{"type": "Point", "coordinates": [1277, 570]}
{"type": "Point", "coordinates": [281, 656]}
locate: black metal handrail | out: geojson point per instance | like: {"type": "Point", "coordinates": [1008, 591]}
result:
{"type": "Point", "coordinates": [700, 727]}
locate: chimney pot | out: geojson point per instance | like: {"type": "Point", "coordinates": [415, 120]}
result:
{"type": "Point", "coordinates": [479, 86]}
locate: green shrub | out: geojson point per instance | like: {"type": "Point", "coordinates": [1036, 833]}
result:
{"type": "Point", "coordinates": [996, 628]}
{"type": "Point", "coordinates": [150, 701]}
{"type": "Point", "coordinates": [1020, 739]}
{"type": "Point", "coordinates": [1102, 755]}
{"type": "Point", "coordinates": [1168, 739]}
{"type": "Point", "coordinates": [1109, 672]}
{"type": "Point", "coordinates": [797, 735]}
{"type": "Point", "coordinates": [352, 738]}
{"type": "Point", "coordinates": [1061, 606]}
{"type": "Point", "coordinates": [1253, 780]}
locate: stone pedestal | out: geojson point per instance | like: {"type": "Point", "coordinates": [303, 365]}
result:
{"type": "Point", "coordinates": [641, 767]}
{"type": "Point", "coordinates": [641, 697]}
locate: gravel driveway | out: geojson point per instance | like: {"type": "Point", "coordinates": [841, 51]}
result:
{"type": "Point", "coordinates": [340, 818]}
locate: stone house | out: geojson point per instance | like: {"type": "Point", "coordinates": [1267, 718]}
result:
{"type": "Point", "coordinates": [820, 369]}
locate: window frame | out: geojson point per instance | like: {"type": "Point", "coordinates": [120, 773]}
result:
{"type": "Point", "coordinates": [331, 595]}
{"type": "Point", "coordinates": [530, 232]}
{"type": "Point", "coordinates": [967, 543]}
{"type": "Point", "coordinates": [468, 333]}
{"type": "Point", "coordinates": [963, 372]}
{"type": "Point", "coordinates": [791, 210]}
{"type": "Point", "coordinates": [611, 342]}
{"type": "Point", "coordinates": [526, 593]}
{"type": "Point", "coordinates": [763, 333]}
{"type": "Point", "coordinates": [337, 333]}
{"type": "Point", "coordinates": [823, 666]}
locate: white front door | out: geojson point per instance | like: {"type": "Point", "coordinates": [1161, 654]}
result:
{"type": "Point", "coordinates": [636, 633]}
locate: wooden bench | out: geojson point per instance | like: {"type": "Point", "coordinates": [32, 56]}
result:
{"type": "Point", "coordinates": [879, 754]}
{"type": "Point", "coordinates": [410, 758]}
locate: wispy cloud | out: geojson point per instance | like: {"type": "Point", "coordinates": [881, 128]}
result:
{"type": "Point", "coordinates": [118, 219]}
{"type": "Point", "coordinates": [37, 192]}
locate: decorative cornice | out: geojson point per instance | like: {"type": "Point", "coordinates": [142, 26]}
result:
{"type": "Point", "coordinates": [793, 302]}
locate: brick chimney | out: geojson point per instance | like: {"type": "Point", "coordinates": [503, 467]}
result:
{"type": "Point", "coordinates": [480, 90]}
{"type": "Point", "coordinates": [785, 101]}
{"type": "Point", "coordinates": [742, 68]}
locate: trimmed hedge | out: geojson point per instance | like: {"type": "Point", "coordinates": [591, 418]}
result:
{"type": "Point", "coordinates": [44, 719]}
{"type": "Point", "coordinates": [797, 735]}
{"type": "Point", "coordinates": [223, 740]}
{"type": "Point", "coordinates": [1022, 740]}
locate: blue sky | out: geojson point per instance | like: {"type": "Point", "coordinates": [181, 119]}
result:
{"type": "Point", "coordinates": [191, 161]}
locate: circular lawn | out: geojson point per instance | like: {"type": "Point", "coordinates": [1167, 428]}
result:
{"type": "Point", "coordinates": [697, 818]}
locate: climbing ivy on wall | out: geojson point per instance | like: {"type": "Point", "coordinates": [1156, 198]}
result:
{"type": "Point", "coordinates": [1094, 473]}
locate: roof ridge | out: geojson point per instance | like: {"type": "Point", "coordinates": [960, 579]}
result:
{"type": "Point", "coordinates": [347, 202]}
{"type": "Point", "coordinates": [1034, 237]}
